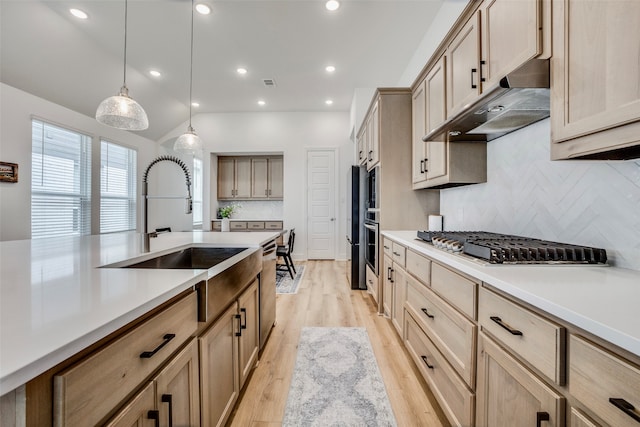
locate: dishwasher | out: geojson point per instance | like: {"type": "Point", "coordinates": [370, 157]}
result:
{"type": "Point", "coordinates": [267, 291]}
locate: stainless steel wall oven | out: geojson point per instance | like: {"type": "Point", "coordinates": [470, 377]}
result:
{"type": "Point", "coordinates": [371, 238]}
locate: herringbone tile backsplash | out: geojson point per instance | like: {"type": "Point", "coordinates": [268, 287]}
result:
{"type": "Point", "coordinates": [593, 203]}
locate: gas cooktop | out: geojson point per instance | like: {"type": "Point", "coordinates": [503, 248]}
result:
{"type": "Point", "coordinates": [507, 249]}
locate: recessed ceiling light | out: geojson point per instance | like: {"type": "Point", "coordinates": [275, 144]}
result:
{"type": "Point", "coordinates": [78, 13]}
{"type": "Point", "coordinates": [195, 104]}
{"type": "Point", "coordinates": [261, 102]}
{"type": "Point", "coordinates": [328, 102]}
{"type": "Point", "coordinates": [330, 68]}
{"type": "Point", "coordinates": [203, 9]}
{"type": "Point", "coordinates": [332, 5]}
{"type": "Point", "coordinates": [155, 73]}
{"type": "Point", "coordinates": [242, 70]}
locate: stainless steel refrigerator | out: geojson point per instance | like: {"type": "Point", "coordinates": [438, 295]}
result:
{"type": "Point", "coordinates": [356, 182]}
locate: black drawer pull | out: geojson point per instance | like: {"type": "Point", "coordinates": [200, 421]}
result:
{"type": "Point", "coordinates": [505, 326]}
{"type": "Point", "coordinates": [239, 333]}
{"type": "Point", "coordinates": [167, 398]}
{"type": "Point", "coordinates": [243, 311]}
{"type": "Point", "coordinates": [389, 273]}
{"type": "Point", "coordinates": [424, 359]}
{"type": "Point", "coordinates": [149, 354]}
{"type": "Point", "coordinates": [540, 417]}
{"type": "Point", "coordinates": [430, 316]}
{"type": "Point", "coordinates": [625, 407]}
{"type": "Point", "coordinates": [154, 415]}
{"type": "Point", "coordinates": [421, 166]}
{"type": "Point", "coordinates": [473, 85]}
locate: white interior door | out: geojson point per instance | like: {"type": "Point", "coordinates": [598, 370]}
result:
{"type": "Point", "coordinates": [321, 193]}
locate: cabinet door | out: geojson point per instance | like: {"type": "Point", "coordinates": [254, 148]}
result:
{"type": "Point", "coordinates": [259, 178]}
{"type": "Point", "coordinates": [250, 331]}
{"type": "Point", "coordinates": [463, 82]}
{"type": "Point", "coordinates": [226, 178]}
{"type": "Point", "coordinates": [418, 111]}
{"type": "Point", "coordinates": [276, 178]}
{"type": "Point", "coordinates": [387, 284]}
{"type": "Point", "coordinates": [178, 389]}
{"type": "Point", "coordinates": [510, 395]}
{"type": "Point", "coordinates": [139, 412]}
{"type": "Point", "coordinates": [362, 147]}
{"type": "Point", "coordinates": [399, 290]}
{"type": "Point", "coordinates": [595, 68]}
{"type": "Point", "coordinates": [511, 35]}
{"type": "Point", "coordinates": [219, 373]}
{"type": "Point", "coordinates": [436, 112]}
{"type": "Point", "coordinates": [374, 136]}
{"type": "Point", "coordinates": [243, 177]}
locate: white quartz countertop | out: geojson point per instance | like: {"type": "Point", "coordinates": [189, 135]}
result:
{"type": "Point", "coordinates": [55, 300]}
{"type": "Point", "coordinates": [601, 300]}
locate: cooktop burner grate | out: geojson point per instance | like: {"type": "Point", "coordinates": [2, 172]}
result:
{"type": "Point", "coordinates": [506, 249]}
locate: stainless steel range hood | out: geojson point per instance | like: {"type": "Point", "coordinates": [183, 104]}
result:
{"type": "Point", "coordinates": [520, 99]}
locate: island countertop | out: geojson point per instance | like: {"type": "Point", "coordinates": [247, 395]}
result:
{"type": "Point", "coordinates": [601, 300]}
{"type": "Point", "coordinates": [55, 299]}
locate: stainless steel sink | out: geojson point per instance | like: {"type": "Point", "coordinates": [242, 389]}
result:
{"type": "Point", "coordinates": [189, 258]}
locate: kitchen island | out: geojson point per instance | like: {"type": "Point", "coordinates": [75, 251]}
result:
{"type": "Point", "coordinates": [56, 300]}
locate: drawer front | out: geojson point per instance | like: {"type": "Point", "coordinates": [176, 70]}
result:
{"type": "Point", "coordinates": [419, 267]}
{"type": "Point", "coordinates": [273, 225]}
{"type": "Point", "coordinates": [535, 339]}
{"type": "Point", "coordinates": [85, 393]}
{"type": "Point", "coordinates": [457, 402]}
{"type": "Point", "coordinates": [216, 225]}
{"type": "Point", "coordinates": [595, 376]}
{"type": "Point", "coordinates": [387, 247]}
{"type": "Point", "coordinates": [255, 225]}
{"type": "Point", "coordinates": [458, 290]}
{"type": "Point", "coordinates": [453, 334]}
{"type": "Point", "coordinates": [372, 283]}
{"type": "Point", "coordinates": [238, 225]}
{"type": "Point", "coordinates": [399, 253]}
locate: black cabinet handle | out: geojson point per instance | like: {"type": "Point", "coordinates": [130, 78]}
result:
{"type": "Point", "coordinates": [154, 415]}
{"type": "Point", "coordinates": [391, 277]}
{"type": "Point", "coordinates": [482, 79]}
{"type": "Point", "coordinates": [625, 407]}
{"type": "Point", "coordinates": [149, 354]}
{"type": "Point", "coordinates": [430, 316]}
{"type": "Point", "coordinates": [505, 326]}
{"type": "Point", "coordinates": [370, 156]}
{"type": "Point", "coordinates": [389, 273]}
{"type": "Point", "coordinates": [421, 166]}
{"type": "Point", "coordinates": [540, 417]}
{"type": "Point", "coordinates": [167, 398]}
{"type": "Point", "coordinates": [239, 333]}
{"type": "Point", "coordinates": [426, 168]}
{"type": "Point", "coordinates": [473, 71]}
{"type": "Point", "coordinates": [424, 359]}
{"type": "Point", "coordinates": [243, 311]}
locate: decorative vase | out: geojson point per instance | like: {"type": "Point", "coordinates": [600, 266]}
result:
{"type": "Point", "coordinates": [225, 224]}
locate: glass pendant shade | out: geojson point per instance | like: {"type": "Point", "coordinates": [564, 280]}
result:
{"type": "Point", "coordinates": [188, 142]}
{"type": "Point", "coordinates": [122, 112]}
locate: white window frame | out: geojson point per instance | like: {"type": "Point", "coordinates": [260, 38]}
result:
{"type": "Point", "coordinates": [198, 189]}
{"type": "Point", "coordinates": [118, 186]}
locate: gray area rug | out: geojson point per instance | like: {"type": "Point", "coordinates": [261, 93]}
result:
{"type": "Point", "coordinates": [284, 283]}
{"type": "Point", "coordinates": [336, 381]}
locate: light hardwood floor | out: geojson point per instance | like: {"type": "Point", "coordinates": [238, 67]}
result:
{"type": "Point", "coordinates": [324, 299]}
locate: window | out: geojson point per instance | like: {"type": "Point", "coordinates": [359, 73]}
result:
{"type": "Point", "coordinates": [197, 192]}
{"type": "Point", "coordinates": [117, 188]}
{"type": "Point", "coordinates": [60, 181]}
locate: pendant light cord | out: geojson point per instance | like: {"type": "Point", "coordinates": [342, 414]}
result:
{"type": "Point", "coordinates": [191, 66]}
{"type": "Point", "coordinates": [124, 80]}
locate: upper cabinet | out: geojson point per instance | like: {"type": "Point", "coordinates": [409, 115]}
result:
{"type": "Point", "coordinates": [595, 95]}
{"type": "Point", "coordinates": [250, 178]}
{"type": "Point", "coordinates": [369, 139]}
{"type": "Point", "coordinates": [463, 60]}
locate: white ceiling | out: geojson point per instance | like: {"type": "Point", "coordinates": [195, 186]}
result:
{"type": "Point", "coordinates": [45, 51]}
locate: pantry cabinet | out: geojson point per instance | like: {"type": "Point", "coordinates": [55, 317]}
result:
{"type": "Point", "coordinates": [595, 90]}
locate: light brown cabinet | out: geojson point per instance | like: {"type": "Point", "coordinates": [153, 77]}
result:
{"type": "Point", "coordinates": [510, 395]}
{"type": "Point", "coordinates": [463, 60]}
{"type": "Point", "coordinates": [139, 412]}
{"type": "Point", "coordinates": [595, 90]}
{"type": "Point", "coordinates": [234, 178]}
{"type": "Point", "coordinates": [250, 178]}
{"type": "Point", "coordinates": [267, 178]}
{"type": "Point", "coordinates": [369, 138]}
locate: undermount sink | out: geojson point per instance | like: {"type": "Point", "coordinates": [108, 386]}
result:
{"type": "Point", "coordinates": [189, 258]}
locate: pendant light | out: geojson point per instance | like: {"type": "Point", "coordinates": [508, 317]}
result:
{"type": "Point", "coordinates": [121, 111]}
{"type": "Point", "coordinates": [189, 142]}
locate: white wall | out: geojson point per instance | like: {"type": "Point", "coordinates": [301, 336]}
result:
{"type": "Point", "coordinates": [16, 111]}
{"type": "Point", "coordinates": [289, 134]}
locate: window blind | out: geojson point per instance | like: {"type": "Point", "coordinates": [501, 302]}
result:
{"type": "Point", "coordinates": [197, 192]}
{"type": "Point", "coordinates": [117, 188]}
{"type": "Point", "coordinates": [60, 181]}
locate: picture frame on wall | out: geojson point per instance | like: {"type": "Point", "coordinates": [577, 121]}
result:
{"type": "Point", "coordinates": [8, 172]}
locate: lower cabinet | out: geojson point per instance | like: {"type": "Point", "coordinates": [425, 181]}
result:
{"type": "Point", "coordinates": [172, 398]}
{"type": "Point", "coordinates": [228, 352]}
{"type": "Point", "coordinates": [511, 395]}
{"type": "Point", "coordinates": [399, 296]}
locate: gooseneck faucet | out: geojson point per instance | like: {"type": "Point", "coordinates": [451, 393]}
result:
{"type": "Point", "coordinates": [146, 237]}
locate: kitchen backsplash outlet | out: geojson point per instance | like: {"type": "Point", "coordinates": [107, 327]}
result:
{"type": "Point", "coordinates": [591, 203]}
{"type": "Point", "coordinates": [257, 209]}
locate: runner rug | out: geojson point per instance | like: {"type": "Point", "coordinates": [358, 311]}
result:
{"type": "Point", "coordinates": [285, 284]}
{"type": "Point", "coordinates": [336, 381]}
